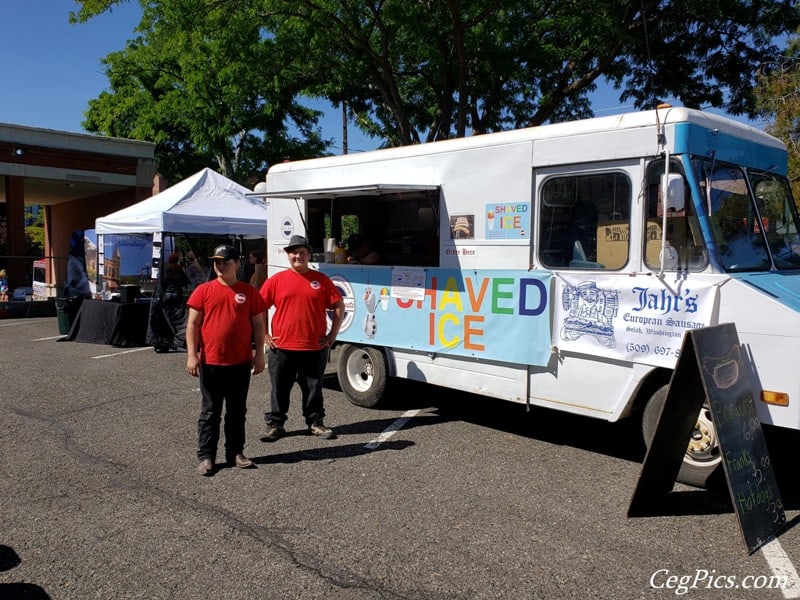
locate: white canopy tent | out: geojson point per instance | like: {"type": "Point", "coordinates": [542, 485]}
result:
{"type": "Point", "coordinates": [206, 202]}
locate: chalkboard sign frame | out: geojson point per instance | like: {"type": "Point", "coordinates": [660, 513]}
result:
{"type": "Point", "coordinates": [712, 366]}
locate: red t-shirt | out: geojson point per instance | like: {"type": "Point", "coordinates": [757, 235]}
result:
{"type": "Point", "coordinates": [226, 334]}
{"type": "Point", "coordinates": [300, 301]}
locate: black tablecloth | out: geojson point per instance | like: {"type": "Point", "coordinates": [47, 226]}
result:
{"type": "Point", "coordinates": [102, 322]}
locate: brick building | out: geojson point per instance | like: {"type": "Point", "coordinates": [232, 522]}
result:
{"type": "Point", "coordinates": [75, 178]}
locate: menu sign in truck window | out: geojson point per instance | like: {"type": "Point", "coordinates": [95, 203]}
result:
{"type": "Point", "coordinates": [712, 365]}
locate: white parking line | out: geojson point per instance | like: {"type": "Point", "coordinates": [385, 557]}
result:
{"type": "Point", "coordinates": [52, 337]}
{"type": "Point", "coordinates": [782, 566]}
{"type": "Point", "coordinates": [123, 352]}
{"type": "Point", "coordinates": [392, 429]}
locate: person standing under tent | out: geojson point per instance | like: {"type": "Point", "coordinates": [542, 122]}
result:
{"type": "Point", "coordinates": [77, 284]}
{"type": "Point", "coordinates": [259, 275]}
{"type": "Point", "coordinates": [195, 271]}
{"type": "Point", "coordinates": [167, 323]}
{"type": "Point", "coordinates": [175, 283]}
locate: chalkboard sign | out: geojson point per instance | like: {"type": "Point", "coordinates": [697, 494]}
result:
{"type": "Point", "coordinates": [674, 429]}
{"type": "Point", "coordinates": [713, 366]}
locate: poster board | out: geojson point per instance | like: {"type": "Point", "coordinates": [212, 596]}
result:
{"type": "Point", "coordinates": [39, 280]}
{"type": "Point", "coordinates": [712, 366]}
{"type": "Point", "coordinates": [613, 238]}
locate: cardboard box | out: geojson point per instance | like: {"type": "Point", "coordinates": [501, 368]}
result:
{"type": "Point", "coordinates": [613, 240]}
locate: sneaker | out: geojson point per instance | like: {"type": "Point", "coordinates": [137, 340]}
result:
{"type": "Point", "coordinates": [273, 433]}
{"type": "Point", "coordinates": [320, 430]}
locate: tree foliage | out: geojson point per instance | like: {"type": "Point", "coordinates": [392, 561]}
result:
{"type": "Point", "coordinates": [34, 234]}
{"type": "Point", "coordinates": [778, 96]}
{"type": "Point", "coordinates": [203, 82]}
{"type": "Point", "coordinates": [420, 70]}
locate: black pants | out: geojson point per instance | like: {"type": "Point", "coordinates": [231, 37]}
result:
{"type": "Point", "coordinates": [218, 384]}
{"type": "Point", "coordinates": [307, 369]}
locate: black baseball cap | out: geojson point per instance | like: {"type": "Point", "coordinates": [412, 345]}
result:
{"type": "Point", "coordinates": [226, 252]}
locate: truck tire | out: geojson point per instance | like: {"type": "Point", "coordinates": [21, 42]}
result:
{"type": "Point", "coordinates": [702, 461]}
{"type": "Point", "coordinates": [362, 372]}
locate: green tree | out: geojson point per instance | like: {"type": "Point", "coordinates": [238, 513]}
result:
{"type": "Point", "coordinates": [206, 85]}
{"type": "Point", "coordinates": [421, 70]}
{"type": "Point", "coordinates": [34, 235]}
{"type": "Point", "coordinates": [778, 96]}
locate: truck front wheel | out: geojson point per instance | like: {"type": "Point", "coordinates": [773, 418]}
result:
{"type": "Point", "coordinates": [362, 372]}
{"type": "Point", "coordinates": [702, 457]}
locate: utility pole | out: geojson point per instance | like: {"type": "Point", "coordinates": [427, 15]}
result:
{"type": "Point", "coordinates": [344, 128]}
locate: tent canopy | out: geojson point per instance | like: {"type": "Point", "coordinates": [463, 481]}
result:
{"type": "Point", "coordinates": [206, 202]}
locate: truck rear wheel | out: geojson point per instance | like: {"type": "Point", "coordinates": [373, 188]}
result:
{"type": "Point", "coordinates": [702, 457]}
{"type": "Point", "coordinates": [362, 373]}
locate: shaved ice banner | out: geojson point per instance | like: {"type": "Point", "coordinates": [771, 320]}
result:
{"type": "Point", "coordinates": [500, 315]}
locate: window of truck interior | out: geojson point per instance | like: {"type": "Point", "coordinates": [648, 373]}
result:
{"type": "Point", "coordinates": [752, 217]}
{"type": "Point", "coordinates": [402, 228]}
{"type": "Point", "coordinates": [685, 247]}
{"type": "Point", "coordinates": [585, 221]}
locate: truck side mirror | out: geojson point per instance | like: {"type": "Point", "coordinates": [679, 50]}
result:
{"type": "Point", "coordinates": [672, 192]}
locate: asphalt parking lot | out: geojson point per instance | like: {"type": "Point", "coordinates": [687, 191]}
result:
{"type": "Point", "coordinates": [437, 495]}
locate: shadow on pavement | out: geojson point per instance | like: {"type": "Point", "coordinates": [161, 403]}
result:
{"type": "Point", "coordinates": [329, 452]}
{"type": "Point", "coordinates": [621, 439]}
{"type": "Point", "coordinates": [17, 591]}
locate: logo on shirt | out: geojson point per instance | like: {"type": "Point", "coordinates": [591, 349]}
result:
{"type": "Point", "coordinates": [315, 285]}
{"type": "Point", "coordinates": [240, 298]}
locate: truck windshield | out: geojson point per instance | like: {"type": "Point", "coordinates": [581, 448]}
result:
{"type": "Point", "coordinates": [752, 215]}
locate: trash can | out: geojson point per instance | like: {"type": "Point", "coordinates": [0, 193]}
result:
{"type": "Point", "coordinates": [66, 309]}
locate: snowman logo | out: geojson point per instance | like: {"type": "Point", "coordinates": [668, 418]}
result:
{"type": "Point", "coordinates": [370, 322]}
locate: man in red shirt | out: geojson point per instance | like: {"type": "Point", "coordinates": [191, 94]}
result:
{"type": "Point", "coordinates": [298, 339]}
{"type": "Point", "coordinates": [226, 317]}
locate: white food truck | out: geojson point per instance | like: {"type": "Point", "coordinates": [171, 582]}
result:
{"type": "Point", "coordinates": [532, 265]}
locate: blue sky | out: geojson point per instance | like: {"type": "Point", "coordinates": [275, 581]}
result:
{"type": "Point", "coordinates": [52, 69]}
{"type": "Point", "coordinates": [56, 70]}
